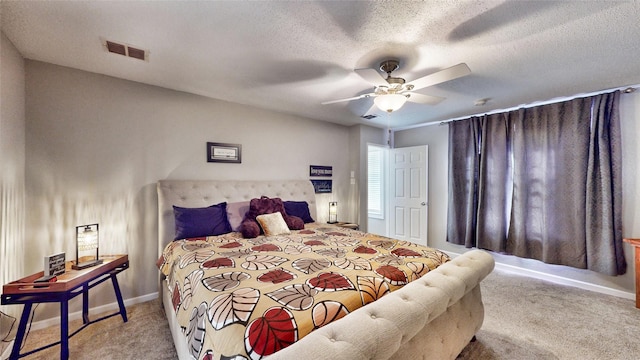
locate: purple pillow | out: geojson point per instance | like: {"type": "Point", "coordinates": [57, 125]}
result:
{"type": "Point", "coordinates": [236, 212]}
{"type": "Point", "coordinates": [299, 209]}
{"type": "Point", "coordinates": [201, 222]}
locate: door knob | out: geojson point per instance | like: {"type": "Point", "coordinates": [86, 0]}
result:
{"type": "Point", "coordinates": [423, 203]}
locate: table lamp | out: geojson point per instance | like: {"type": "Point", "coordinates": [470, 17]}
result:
{"type": "Point", "coordinates": [333, 212]}
{"type": "Point", "coordinates": [86, 241]}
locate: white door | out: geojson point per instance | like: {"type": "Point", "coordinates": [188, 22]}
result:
{"type": "Point", "coordinates": [408, 194]}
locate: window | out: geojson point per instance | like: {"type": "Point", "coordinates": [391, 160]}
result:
{"type": "Point", "coordinates": [375, 181]}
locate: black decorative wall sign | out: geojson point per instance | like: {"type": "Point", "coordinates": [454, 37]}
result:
{"type": "Point", "coordinates": [322, 186]}
{"type": "Point", "coordinates": [317, 170]}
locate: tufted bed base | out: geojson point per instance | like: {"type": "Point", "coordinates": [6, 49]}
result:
{"type": "Point", "coordinates": [433, 317]}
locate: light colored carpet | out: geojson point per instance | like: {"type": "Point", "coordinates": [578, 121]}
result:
{"type": "Point", "coordinates": [524, 319]}
{"type": "Point", "coordinates": [145, 336]}
{"type": "Point", "coordinates": [527, 318]}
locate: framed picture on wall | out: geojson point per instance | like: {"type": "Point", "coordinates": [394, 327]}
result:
{"type": "Point", "coordinates": [317, 170]}
{"type": "Point", "coordinates": [221, 152]}
{"type": "Point", "coordinates": [322, 186]}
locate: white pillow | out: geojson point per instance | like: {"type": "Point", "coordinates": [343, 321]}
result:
{"type": "Point", "coordinates": [273, 224]}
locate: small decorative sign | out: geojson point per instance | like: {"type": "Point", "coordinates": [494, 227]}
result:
{"type": "Point", "coordinates": [317, 170]}
{"type": "Point", "coordinates": [322, 186]}
{"type": "Point", "coordinates": [54, 264]}
{"type": "Point", "coordinates": [220, 152]}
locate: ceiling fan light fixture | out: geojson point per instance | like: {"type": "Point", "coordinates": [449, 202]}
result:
{"type": "Point", "coordinates": [390, 102]}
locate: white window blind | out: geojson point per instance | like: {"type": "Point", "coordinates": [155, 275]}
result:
{"type": "Point", "coordinates": [375, 179]}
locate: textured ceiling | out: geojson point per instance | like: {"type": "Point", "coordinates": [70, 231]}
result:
{"type": "Point", "coordinates": [291, 56]}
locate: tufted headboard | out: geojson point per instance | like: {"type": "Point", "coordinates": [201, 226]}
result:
{"type": "Point", "coordinates": [201, 193]}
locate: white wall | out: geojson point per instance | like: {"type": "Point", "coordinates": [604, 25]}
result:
{"type": "Point", "coordinates": [12, 169]}
{"type": "Point", "coordinates": [97, 145]}
{"type": "Point", "coordinates": [436, 136]}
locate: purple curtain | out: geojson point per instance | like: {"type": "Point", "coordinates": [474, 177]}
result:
{"type": "Point", "coordinates": [550, 152]}
{"type": "Point", "coordinates": [494, 182]}
{"type": "Point", "coordinates": [604, 184]}
{"type": "Point", "coordinates": [541, 183]}
{"type": "Point", "coordinates": [463, 171]}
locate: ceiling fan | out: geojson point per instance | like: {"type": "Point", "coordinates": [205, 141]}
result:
{"type": "Point", "coordinates": [391, 93]}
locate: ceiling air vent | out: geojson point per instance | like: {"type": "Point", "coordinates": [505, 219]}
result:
{"type": "Point", "coordinates": [126, 50]}
{"type": "Point", "coordinates": [369, 117]}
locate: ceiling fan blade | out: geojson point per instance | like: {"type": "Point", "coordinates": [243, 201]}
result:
{"type": "Point", "coordinates": [348, 99]}
{"type": "Point", "coordinates": [441, 76]}
{"type": "Point", "coordinates": [423, 99]}
{"type": "Point", "coordinates": [372, 76]}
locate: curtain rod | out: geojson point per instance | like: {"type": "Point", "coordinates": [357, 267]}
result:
{"type": "Point", "coordinates": [624, 89]}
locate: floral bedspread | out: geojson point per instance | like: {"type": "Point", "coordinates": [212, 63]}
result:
{"type": "Point", "coordinates": [241, 298]}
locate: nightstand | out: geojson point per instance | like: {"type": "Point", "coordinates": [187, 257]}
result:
{"type": "Point", "coordinates": [67, 286]}
{"type": "Point", "coordinates": [347, 225]}
{"type": "Point", "coordinates": [636, 245]}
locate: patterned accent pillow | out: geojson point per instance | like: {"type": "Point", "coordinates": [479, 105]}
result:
{"type": "Point", "coordinates": [201, 222]}
{"type": "Point", "coordinates": [273, 224]}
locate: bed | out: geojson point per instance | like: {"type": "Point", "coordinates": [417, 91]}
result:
{"type": "Point", "coordinates": [434, 316]}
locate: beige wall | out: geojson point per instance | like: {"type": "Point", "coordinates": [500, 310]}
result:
{"type": "Point", "coordinates": [12, 170]}
{"type": "Point", "coordinates": [97, 145]}
{"type": "Point", "coordinates": [436, 136]}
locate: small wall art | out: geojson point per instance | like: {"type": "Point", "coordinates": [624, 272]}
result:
{"type": "Point", "coordinates": [317, 170]}
{"type": "Point", "coordinates": [322, 186]}
{"type": "Point", "coordinates": [226, 153]}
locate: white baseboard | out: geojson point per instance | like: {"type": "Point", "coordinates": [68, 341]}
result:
{"type": "Point", "coordinates": [560, 280]}
{"type": "Point", "coordinates": [95, 310]}
{"type": "Point", "coordinates": [566, 281]}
